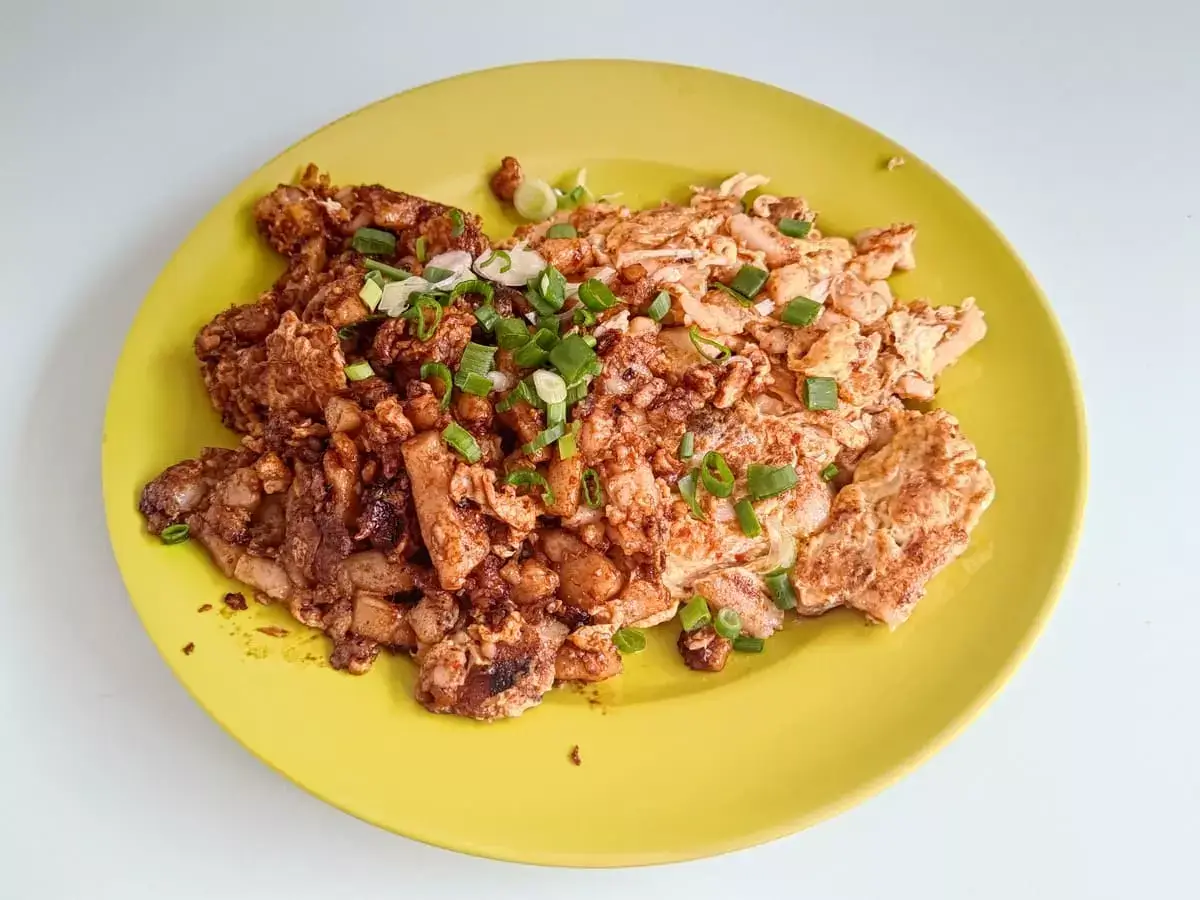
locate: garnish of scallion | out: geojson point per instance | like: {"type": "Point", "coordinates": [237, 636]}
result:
{"type": "Point", "coordinates": [715, 474]}
{"type": "Point", "coordinates": [374, 242]}
{"type": "Point", "coordinates": [747, 518]}
{"type": "Point", "coordinates": [463, 442]}
{"type": "Point", "coordinates": [796, 228]}
{"type": "Point", "coordinates": [660, 307]}
{"type": "Point", "coordinates": [728, 624]}
{"type": "Point", "coordinates": [820, 393]}
{"type": "Point", "coordinates": [531, 478]}
{"type": "Point", "coordinates": [747, 644]}
{"type": "Point", "coordinates": [749, 281]}
{"type": "Point", "coordinates": [562, 230]}
{"type": "Point", "coordinates": [535, 200]}
{"type": "Point", "coordinates": [767, 481]}
{"type": "Point", "coordinates": [359, 371]}
{"type": "Point", "coordinates": [779, 586]}
{"type": "Point", "coordinates": [701, 343]}
{"type": "Point", "coordinates": [175, 534]}
{"type": "Point", "coordinates": [694, 614]}
{"type": "Point", "coordinates": [801, 312]}
{"type": "Point", "coordinates": [441, 372]}
{"type": "Point", "coordinates": [630, 640]}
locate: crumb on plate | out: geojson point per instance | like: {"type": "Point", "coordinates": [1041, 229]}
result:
{"type": "Point", "coordinates": [188, 648]}
{"type": "Point", "coordinates": [235, 600]}
{"type": "Point", "coordinates": [574, 757]}
{"type": "Point", "coordinates": [274, 631]}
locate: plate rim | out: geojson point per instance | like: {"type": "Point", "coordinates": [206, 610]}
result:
{"type": "Point", "coordinates": [784, 826]}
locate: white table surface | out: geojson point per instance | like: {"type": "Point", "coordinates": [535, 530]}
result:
{"type": "Point", "coordinates": [1075, 126]}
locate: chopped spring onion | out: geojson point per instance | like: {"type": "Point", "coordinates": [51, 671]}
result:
{"type": "Point", "coordinates": [511, 333]}
{"type": "Point", "coordinates": [829, 473]}
{"type": "Point", "coordinates": [463, 442]}
{"type": "Point", "coordinates": [477, 358]}
{"type": "Point", "coordinates": [550, 323]}
{"type": "Point", "coordinates": [550, 386]}
{"type": "Point", "coordinates": [728, 624]}
{"type": "Point", "coordinates": [747, 518]}
{"type": "Point", "coordinates": [562, 230]}
{"type": "Point", "coordinates": [346, 333]}
{"type": "Point", "coordinates": [715, 474]}
{"type": "Point", "coordinates": [796, 228]}
{"type": "Point", "coordinates": [567, 446]}
{"type": "Point", "coordinates": [371, 294]}
{"type": "Point", "coordinates": [377, 277]}
{"type": "Point", "coordinates": [544, 439]}
{"type": "Point", "coordinates": [473, 286]}
{"type": "Point", "coordinates": [700, 342]}
{"type": "Point", "coordinates": [746, 644]}
{"type": "Point", "coordinates": [820, 393]}
{"type": "Point", "coordinates": [503, 256]}
{"type": "Point", "coordinates": [416, 312]}
{"type": "Point", "coordinates": [660, 307]}
{"type": "Point", "coordinates": [535, 200]}
{"type": "Point", "coordinates": [456, 222]}
{"type": "Point", "coordinates": [547, 291]}
{"type": "Point", "coordinates": [577, 390]}
{"type": "Point", "coordinates": [470, 383]}
{"type": "Point", "coordinates": [387, 271]}
{"type": "Point", "coordinates": [687, 490]}
{"type": "Point", "coordinates": [522, 393]}
{"type": "Point", "coordinates": [359, 371]}
{"type": "Point", "coordinates": [584, 317]}
{"type": "Point", "coordinates": [421, 248]}
{"type": "Point", "coordinates": [572, 198]}
{"type": "Point", "coordinates": [694, 614]}
{"type": "Point", "coordinates": [537, 350]}
{"type": "Point", "coordinates": [573, 357]}
{"type": "Point", "coordinates": [441, 372]}
{"type": "Point", "coordinates": [530, 477]}
{"type": "Point", "coordinates": [486, 316]}
{"type": "Point", "coordinates": [767, 481]}
{"type": "Point", "coordinates": [590, 340]}
{"type": "Point", "coordinates": [687, 445]}
{"type": "Point", "coordinates": [779, 586]}
{"type": "Point", "coordinates": [630, 640]}
{"type": "Point", "coordinates": [591, 490]}
{"type": "Point", "coordinates": [801, 311]}
{"type": "Point", "coordinates": [175, 534]}
{"type": "Point", "coordinates": [373, 242]}
{"type": "Point", "coordinates": [556, 413]}
{"type": "Point", "coordinates": [749, 281]}
{"type": "Point", "coordinates": [436, 274]}
{"type": "Point", "coordinates": [744, 301]}
{"type": "Point", "coordinates": [595, 295]}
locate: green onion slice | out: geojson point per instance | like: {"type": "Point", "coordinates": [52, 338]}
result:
{"type": "Point", "coordinates": [463, 442]}
{"type": "Point", "coordinates": [687, 490]}
{"type": "Point", "coordinates": [749, 281]}
{"type": "Point", "coordinates": [390, 272]}
{"type": "Point", "coordinates": [550, 323]}
{"type": "Point", "coordinates": [767, 481]}
{"type": "Point", "coordinates": [796, 228]}
{"type": "Point", "coordinates": [595, 295]}
{"type": "Point", "coordinates": [421, 248]}
{"type": "Point", "coordinates": [441, 372]}
{"type": "Point", "coordinates": [436, 274]}
{"type": "Point", "coordinates": [700, 342]}
{"type": "Point", "coordinates": [544, 439]}
{"type": "Point", "coordinates": [687, 445]}
{"type": "Point", "coordinates": [728, 624]}
{"type": "Point", "coordinates": [371, 293]}
{"type": "Point", "coordinates": [801, 311]}
{"type": "Point", "coordinates": [503, 256]}
{"type": "Point", "coordinates": [715, 474]}
{"type": "Point", "coordinates": [456, 222]}
{"type": "Point", "coordinates": [744, 301]}
{"type": "Point", "coordinates": [829, 473]}
{"type": "Point", "coordinates": [550, 386]}
{"type": "Point", "coordinates": [747, 518]}
{"type": "Point", "coordinates": [175, 534]}
{"type": "Point", "coordinates": [528, 478]}
{"type": "Point", "coordinates": [470, 383]}
{"type": "Point", "coordinates": [584, 317]}
{"type": "Point", "coordinates": [577, 390]}
{"type": "Point", "coordinates": [660, 307]}
{"type": "Point", "coordinates": [511, 333]}
{"type": "Point", "coordinates": [374, 242]}
{"type": "Point", "coordinates": [535, 200]}
{"type": "Point", "coordinates": [556, 413]}
{"type": "Point", "coordinates": [536, 350]}
{"type": "Point", "coordinates": [376, 276]}
{"type": "Point", "coordinates": [487, 317]}
{"type": "Point", "coordinates": [820, 393]}
{"type": "Point", "coordinates": [477, 358]}
{"type": "Point", "coordinates": [572, 357]}
{"type": "Point", "coordinates": [522, 393]}
{"type": "Point", "coordinates": [359, 371]}
{"type": "Point", "coordinates": [416, 312]}
{"type": "Point", "coordinates": [591, 490]}
{"type": "Point", "coordinates": [694, 614]}
{"type": "Point", "coordinates": [630, 640]}
{"type": "Point", "coordinates": [547, 291]}
{"type": "Point", "coordinates": [473, 286]}
{"type": "Point", "coordinates": [562, 230]}
{"type": "Point", "coordinates": [779, 586]}
{"type": "Point", "coordinates": [567, 446]}
{"type": "Point", "coordinates": [746, 644]}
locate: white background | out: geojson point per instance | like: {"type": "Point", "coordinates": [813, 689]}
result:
{"type": "Point", "coordinates": [1074, 126]}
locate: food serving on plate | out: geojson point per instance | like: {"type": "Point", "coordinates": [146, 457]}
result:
{"type": "Point", "coordinates": [510, 459]}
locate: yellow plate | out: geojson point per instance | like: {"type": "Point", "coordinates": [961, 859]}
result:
{"type": "Point", "coordinates": [676, 764]}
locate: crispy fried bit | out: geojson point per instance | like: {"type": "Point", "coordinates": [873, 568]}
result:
{"type": "Point", "coordinates": [574, 756]}
{"type": "Point", "coordinates": [188, 648]}
{"type": "Point", "coordinates": [507, 179]}
{"type": "Point", "coordinates": [350, 505]}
